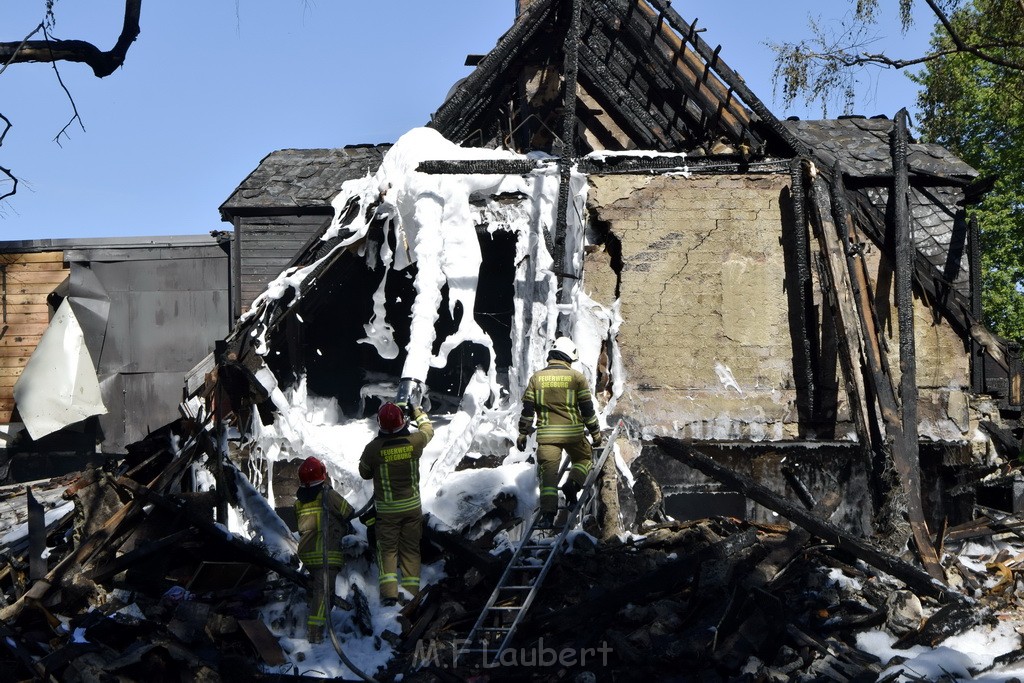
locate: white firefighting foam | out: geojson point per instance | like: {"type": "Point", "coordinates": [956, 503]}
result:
{"type": "Point", "coordinates": [434, 224]}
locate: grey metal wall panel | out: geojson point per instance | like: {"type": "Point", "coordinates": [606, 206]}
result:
{"type": "Point", "coordinates": [172, 331]}
{"type": "Point", "coordinates": [112, 424]}
{"type": "Point", "coordinates": [164, 318]}
{"type": "Point", "coordinates": [138, 404]}
{"type": "Point", "coordinates": [114, 352]}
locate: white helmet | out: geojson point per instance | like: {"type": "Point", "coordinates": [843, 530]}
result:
{"type": "Point", "coordinates": [565, 346]}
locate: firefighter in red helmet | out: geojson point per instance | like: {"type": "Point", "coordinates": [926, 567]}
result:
{"type": "Point", "coordinates": [319, 508]}
{"type": "Point", "coordinates": [392, 460]}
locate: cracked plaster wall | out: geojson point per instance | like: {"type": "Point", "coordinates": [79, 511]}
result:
{"type": "Point", "coordinates": [702, 285]}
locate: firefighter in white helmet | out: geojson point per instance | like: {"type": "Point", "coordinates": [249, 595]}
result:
{"type": "Point", "coordinates": [558, 397]}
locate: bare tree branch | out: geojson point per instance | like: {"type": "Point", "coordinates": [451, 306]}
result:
{"type": "Point", "coordinates": [826, 65]}
{"type": "Point", "coordinates": [74, 107]}
{"type": "Point", "coordinates": [879, 59]}
{"type": "Point", "coordinates": [972, 49]}
{"type": "Point", "coordinates": [7, 171]}
{"type": "Point", "coordinates": [17, 49]}
{"type": "Point", "coordinates": [102, 63]}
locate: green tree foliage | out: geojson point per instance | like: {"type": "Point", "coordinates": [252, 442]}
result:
{"type": "Point", "coordinates": [971, 101]}
{"type": "Point", "coordinates": [974, 106]}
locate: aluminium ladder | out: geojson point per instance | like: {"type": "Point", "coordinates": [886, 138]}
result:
{"type": "Point", "coordinates": [533, 558]}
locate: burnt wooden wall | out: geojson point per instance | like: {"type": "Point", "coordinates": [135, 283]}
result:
{"type": "Point", "coordinates": [269, 243]}
{"type": "Point", "coordinates": [25, 281]}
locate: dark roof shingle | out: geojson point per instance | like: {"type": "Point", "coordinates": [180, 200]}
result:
{"type": "Point", "coordinates": [301, 179]}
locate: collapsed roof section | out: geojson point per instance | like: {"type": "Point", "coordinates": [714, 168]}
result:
{"type": "Point", "coordinates": [646, 80]}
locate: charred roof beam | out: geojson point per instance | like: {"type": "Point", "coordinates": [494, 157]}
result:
{"type": "Point", "coordinates": [451, 119]}
{"type": "Point", "coordinates": [733, 80]}
{"type": "Point", "coordinates": [659, 81]}
{"type": "Point", "coordinates": [668, 61]}
{"type": "Point", "coordinates": [626, 110]}
{"type": "Point", "coordinates": [653, 90]}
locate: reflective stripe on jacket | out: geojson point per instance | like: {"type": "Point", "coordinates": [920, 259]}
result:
{"type": "Point", "coordinates": [559, 397]}
{"type": "Point", "coordinates": [309, 513]}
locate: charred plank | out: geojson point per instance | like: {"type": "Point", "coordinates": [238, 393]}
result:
{"type": "Point", "coordinates": [913, 577]}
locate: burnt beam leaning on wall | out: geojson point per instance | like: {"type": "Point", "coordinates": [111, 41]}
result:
{"type": "Point", "coordinates": [839, 293]}
{"type": "Point", "coordinates": [801, 293]}
{"type": "Point", "coordinates": [974, 261]}
{"type": "Point", "coordinates": [915, 579]}
{"type": "Point", "coordinates": [894, 445]}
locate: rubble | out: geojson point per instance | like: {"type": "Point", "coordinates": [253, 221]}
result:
{"type": "Point", "coordinates": [143, 583]}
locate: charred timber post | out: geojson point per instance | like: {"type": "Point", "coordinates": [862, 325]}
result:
{"type": "Point", "coordinates": [895, 444]}
{"type": "Point", "coordinates": [974, 261]}
{"type": "Point", "coordinates": [904, 292]}
{"type": "Point", "coordinates": [804, 284]}
{"type": "Point", "coordinates": [914, 578]}
{"type": "Point", "coordinates": [568, 152]}
{"type": "Point", "coordinates": [236, 272]}
{"type": "Point", "coordinates": [36, 536]}
{"type": "Point", "coordinates": [905, 452]}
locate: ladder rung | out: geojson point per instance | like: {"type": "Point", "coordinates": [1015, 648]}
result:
{"type": "Point", "coordinates": [527, 566]}
{"type": "Point", "coordinates": [541, 546]}
{"type": "Point", "coordinates": [514, 588]}
{"type": "Point", "coordinates": [505, 609]}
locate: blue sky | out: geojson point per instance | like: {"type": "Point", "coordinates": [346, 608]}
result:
{"type": "Point", "coordinates": [212, 86]}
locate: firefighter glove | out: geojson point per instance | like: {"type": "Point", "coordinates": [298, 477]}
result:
{"type": "Point", "coordinates": [597, 438]}
{"type": "Point", "coordinates": [521, 442]}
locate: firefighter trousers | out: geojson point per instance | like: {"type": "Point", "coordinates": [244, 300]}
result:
{"type": "Point", "coordinates": [318, 606]}
{"type": "Point", "coordinates": [398, 549]}
{"type": "Point", "coordinates": [549, 456]}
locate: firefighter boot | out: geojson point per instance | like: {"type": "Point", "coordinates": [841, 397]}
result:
{"type": "Point", "coordinates": [315, 634]}
{"type": "Point", "coordinates": [546, 520]}
{"type": "Point", "coordinates": [571, 490]}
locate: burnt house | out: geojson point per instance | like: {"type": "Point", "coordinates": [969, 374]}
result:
{"type": "Point", "coordinates": [798, 298]}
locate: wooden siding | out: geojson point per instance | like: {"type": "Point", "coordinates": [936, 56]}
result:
{"type": "Point", "coordinates": [30, 277]}
{"type": "Point", "coordinates": [268, 246]}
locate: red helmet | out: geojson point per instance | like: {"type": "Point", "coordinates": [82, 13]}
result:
{"type": "Point", "coordinates": [312, 471]}
{"type": "Point", "coordinates": [390, 418]}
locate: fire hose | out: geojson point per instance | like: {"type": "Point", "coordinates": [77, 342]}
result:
{"type": "Point", "coordinates": [328, 590]}
{"type": "Point", "coordinates": [410, 393]}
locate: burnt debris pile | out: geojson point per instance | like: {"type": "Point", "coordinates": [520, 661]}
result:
{"type": "Point", "coordinates": [138, 581]}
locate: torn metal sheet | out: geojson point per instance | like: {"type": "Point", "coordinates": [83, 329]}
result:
{"type": "Point", "coordinates": [59, 386]}
{"type": "Point", "coordinates": [91, 304]}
